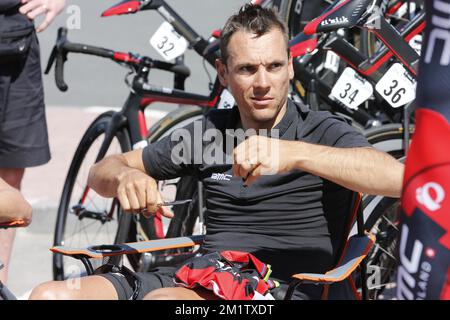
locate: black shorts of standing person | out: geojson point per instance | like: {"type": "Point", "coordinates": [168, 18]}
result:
{"type": "Point", "coordinates": [23, 127]}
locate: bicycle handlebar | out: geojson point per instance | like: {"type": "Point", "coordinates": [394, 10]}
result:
{"type": "Point", "coordinates": [196, 41]}
{"type": "Point", "coordinates": [60, 56]}
{"type": "Point", "coordinates": [63, 47]}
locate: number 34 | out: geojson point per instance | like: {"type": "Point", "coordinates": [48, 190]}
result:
{"type": "Point", "coordinates": [352, 95]}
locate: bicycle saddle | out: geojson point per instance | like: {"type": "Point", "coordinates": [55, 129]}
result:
{"type": "Point", "coordinates": [341, 14]}
{"type": "Point", "coordinates": [132, 6]}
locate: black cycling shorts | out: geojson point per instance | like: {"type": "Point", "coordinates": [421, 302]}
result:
{"type": "Point", "coordinates": [23, 127]}
{"type": "Point", "coordinates": [162, 277]}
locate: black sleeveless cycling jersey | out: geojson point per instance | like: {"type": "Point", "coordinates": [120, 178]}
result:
{"type": "Point", "coordinates": [281, 219]}
{"type": "Point", "coordinates": [424, 250]}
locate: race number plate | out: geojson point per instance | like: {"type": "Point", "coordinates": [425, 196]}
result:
{"type": "Point", "coordinates": [168, 42]}
{"type": "Point", "coordinates": [332, 61]}
{"type": "Point", "coordinates": [351, 89]}
{"type": "Point", "coordinates": [226, 100]}
{"type": "Point", "coordinates": [397, 86]}
{"type": "Point", "coordinates": [416, 43]}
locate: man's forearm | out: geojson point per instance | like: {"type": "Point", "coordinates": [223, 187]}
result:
{"type": "Point", "coordinates": [104, 176]}
{"type": "Point", "coordinates": [124, 176]}
{"type": "Point", "coordinates": [360, 169]}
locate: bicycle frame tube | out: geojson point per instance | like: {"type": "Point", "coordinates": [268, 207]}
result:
{"type": "Point", "coordinates": [370, 67]}
{"type": "Point", "coordinates": [413, 28]}
{"type": "Point", "coordinates": [143, 94]}
{"type": "Point", "coordinates": [195, 40]}
{"type": "Point", "coordinates": [397, 45]}
{"type": "Point", "coordinates": [117, 121]}
{"type": "Point", "coordinates": [153, 93]}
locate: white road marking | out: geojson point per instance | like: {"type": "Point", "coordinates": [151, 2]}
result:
{"type": "Point", "coordinates": [148, 112]}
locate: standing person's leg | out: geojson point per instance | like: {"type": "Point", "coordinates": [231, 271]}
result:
{"type": "Point", "coordinates": [23, 127]}
{"type": "Point", "coordinates": [13, 177]}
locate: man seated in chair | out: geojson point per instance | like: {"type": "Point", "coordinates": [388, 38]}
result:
{"type": "Point", "coordinates": [269, 201]}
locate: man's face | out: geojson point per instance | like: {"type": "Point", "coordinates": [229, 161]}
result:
{"type": "Point", "coordinates": [257, 73]}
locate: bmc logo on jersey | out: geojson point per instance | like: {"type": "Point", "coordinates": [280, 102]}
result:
{"type": "Point", "coordinates": [440, 32]}
{"type": "Point", "coordinates": [221, 176]}
{"type": "Point", "coordinates": [430, 195]}
{"type": "Point", "coordinates": [413, 273]}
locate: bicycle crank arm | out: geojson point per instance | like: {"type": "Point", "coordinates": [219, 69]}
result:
{"type": "Point", "coordinates": [82, 213]}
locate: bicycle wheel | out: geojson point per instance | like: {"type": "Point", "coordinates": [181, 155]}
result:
{"type": "Point", "coordinates": [381, 217]}
{"type": "Point", "coordinates": [84, 218]}
{"type": "Point", "coordinates": [382, 220]}
{"type": "Point", "coordinates": [389, 138]}
{"type": "Point", "coordinates": [185, 221]}
{"type": "Point", "coordinates": [177, 119]}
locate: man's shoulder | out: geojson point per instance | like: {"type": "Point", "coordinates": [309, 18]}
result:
{"type": "Point", "coordinates": [326, 128]}
{"type": "Point", "coordinates": [313, 119]}
{"type": "Point", "coordinates": [219, 118]}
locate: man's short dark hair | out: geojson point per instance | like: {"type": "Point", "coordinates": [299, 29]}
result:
{"type": "Point", "coordinates": [254, 19]}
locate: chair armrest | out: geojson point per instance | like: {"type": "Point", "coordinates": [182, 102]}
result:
{"type": "Point", "coordinates": [101, 251]}
{"type": "Point", "coordinates": [357, 249]}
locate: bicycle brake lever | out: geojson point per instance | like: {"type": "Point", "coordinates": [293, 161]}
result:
{"type": "Point", "coordinates": [51, 59]}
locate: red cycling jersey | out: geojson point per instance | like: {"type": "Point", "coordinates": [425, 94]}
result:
{"type": "Point", "coordinates": [424, 249]}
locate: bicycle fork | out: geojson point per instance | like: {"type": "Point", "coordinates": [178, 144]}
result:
{"type": "Point", "coordinates": [117, 121]}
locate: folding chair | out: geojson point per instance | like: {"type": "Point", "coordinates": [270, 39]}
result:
{"type": "Point", "coordinates": [5, 293]}
{"type": "Point", "coordinates": [350, 253]}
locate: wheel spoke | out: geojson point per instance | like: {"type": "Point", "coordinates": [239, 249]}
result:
{"type": "Point", "coordinates": [389, 222]}
{"type": "Point", "coordinates": [90, 230]}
